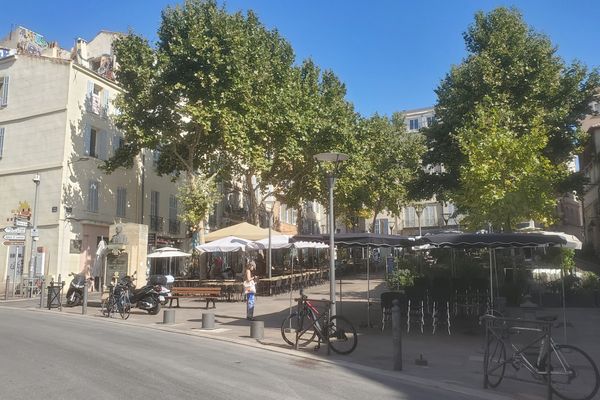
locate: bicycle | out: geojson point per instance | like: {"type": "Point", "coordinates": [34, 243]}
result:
{"type": "Point", "coordinates": [337, 331]}
{"type": "Point", "coordinates": [117, 301]}
{"type": "Point", "coordinates": [567, 370]}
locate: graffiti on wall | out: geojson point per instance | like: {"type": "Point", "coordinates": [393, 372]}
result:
{"type": "Point", "coordinates": [30, 42]}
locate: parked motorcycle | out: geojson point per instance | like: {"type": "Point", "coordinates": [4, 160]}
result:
{"type": "Point", "coordinates": [144, 298]}
{"type": "Point", "coordinates": [165, 282]}
{"type": "Point", "coordinates": [75, 292]}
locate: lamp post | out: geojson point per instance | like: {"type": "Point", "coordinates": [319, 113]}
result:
{"type": "Point", "coordinates": [419, 210]}
{"type": "Point", "coordinates": [34, 231]}
{"type": "Point", "coordinates": [269, 203]}
{"type": "Point", "coordinates": [335, 159]}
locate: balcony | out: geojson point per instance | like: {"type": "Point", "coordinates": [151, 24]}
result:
{"type": "Point", "coordinates": [156, 223]}
{"type": "Point", "coordinates": [174, 227]}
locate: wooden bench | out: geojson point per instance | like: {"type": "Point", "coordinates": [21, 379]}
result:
{"type": "Point", "coordinates": [208, 293]}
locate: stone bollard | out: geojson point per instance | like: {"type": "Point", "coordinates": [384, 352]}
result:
{"type": "Point", "coordinates": [208, 321]}
{"type": "Point", "coordinates": [257, 329]}
{"type": "Point", "coordinates": [396, 335]}
{"type": "Point", "coordinates": [85, 298]}
{"type": "Point", "coordinates": [169, 317]}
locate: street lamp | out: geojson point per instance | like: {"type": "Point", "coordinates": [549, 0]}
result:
{"type": "Point", "coordinates": [269, 203]}
{"type": "Point", "coordinates": [34, 231]}
{"type": "Point", "coordinates": [418, 210]}
{"type": "Point", "coordinates": [335, 159]}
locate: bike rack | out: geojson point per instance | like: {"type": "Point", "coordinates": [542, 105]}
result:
{"type": "Point", "coordinates": [498, 327]}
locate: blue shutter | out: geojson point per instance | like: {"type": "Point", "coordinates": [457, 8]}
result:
{"type": "Point", "coordinates": [102, 145]}
{"type": "Point", "coordinates": [87, 139]}
{"type": "Point", "coordinates": [105, 96]}
{"type": "Point", "coordinates": [4, 94]}
{"type": "Point", "coordinates": [1, 141]}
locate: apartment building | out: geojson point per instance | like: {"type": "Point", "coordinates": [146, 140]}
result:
{"type": "Point", "coordinates": [55, 125]}
{"type": "Point", "coordinates": [589, 164]}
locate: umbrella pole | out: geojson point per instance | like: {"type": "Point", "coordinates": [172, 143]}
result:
{"type": "Point", "coordinates": [368, 291]}
{"type": "Point", "coordinates": [564, 307]}
{"type": "Point", "coordinates": [491, 281]}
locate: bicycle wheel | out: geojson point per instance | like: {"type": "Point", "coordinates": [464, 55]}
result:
{"type": "Point", "coordinates": [106, 307]}
{"type": "Point", "coordinates": [574, 374]}
{"type": "Point", "coordinates": [342, 335]}
{"type": "Point", "coordinates": [124, 307]}
{"type": "Point", "coordinates": [289, 326]}
{"type": "Point", "coordinates": [496, 361]}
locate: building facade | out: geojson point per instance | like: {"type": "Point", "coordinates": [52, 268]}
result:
{"type": "Point", "coordinates": [55, 125]}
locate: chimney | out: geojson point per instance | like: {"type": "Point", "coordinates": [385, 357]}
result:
{"type": "Point", "coordinates": [82, 54]}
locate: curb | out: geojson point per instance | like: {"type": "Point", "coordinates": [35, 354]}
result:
{"type": "Point", "coordinates": [398, 376]}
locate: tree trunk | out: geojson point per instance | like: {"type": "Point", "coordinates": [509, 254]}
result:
{"type": "Point", "coordinates": [299, 220]}
{"type": "Point", "coordinates": [252, 203]}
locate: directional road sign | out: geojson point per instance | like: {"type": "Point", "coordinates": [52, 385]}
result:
{"type": "Point", "coordinates": [14, 243]}
{"type": "Point", "coordinates": [15, 229]}
{"type": "Point", "coordinates": [14, 237]}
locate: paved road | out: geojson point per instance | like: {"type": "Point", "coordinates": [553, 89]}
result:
{"type": "Point", "coordinates": [57, 356]}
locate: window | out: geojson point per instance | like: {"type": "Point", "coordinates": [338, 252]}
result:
{"type": "Point", "coordinates": [410, 217]}
{"type": "Point", "coordinates": [95, 143]}
{"type": "Point", "coordinates": [154, 205]}
{"type": "Point", "coordinates": [429, 216]}
{"type": "Point", "coordinates": [1, 141]}
{"type": "Point", "coordinates": [121, 202]}
{"type": "Point", "coordinates": [173, 207]}
{"type": "Point", "coordinates": [382, 227]}
{"type": "Point", "coordinates": [413, 124]}
{"type": "Point", "coordinates": [93, 196]}
{"type": "Point", "coordinates": [155, 158]}
{"type": "Point", "coordinates": [430, 121]}
{"type": "Point", "coordinates": [97, 99]}
{"type": "Point", "coordinates": [3, 91]}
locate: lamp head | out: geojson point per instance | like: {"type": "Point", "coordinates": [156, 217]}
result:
{"type": "Point", "coordinates": [36, 179]}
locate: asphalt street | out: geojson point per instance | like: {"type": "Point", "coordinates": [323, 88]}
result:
{"type": "Point", "coordinates": [59, 356]}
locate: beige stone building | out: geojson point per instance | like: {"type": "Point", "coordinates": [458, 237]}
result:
{"type": "Point", "coordinates": [55, 124]}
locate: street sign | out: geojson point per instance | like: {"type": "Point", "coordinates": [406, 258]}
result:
{"type": "Point", "coordinates": [13, 243]}
{"type": "Point", "coordinates": [13, 229]}
{"type": "Point", "coordinates": [15, 237]}
{"type": "Point", "coordinates": [21, 223]}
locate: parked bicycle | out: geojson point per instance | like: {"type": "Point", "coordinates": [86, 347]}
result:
{"type": "Point", "coordinates": [117, 301]}
{"type": "Point", "coordinates": [306, 324]}
{"type": "Point", "coordinates": [569, 371]}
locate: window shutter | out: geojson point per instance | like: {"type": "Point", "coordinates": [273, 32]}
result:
{"type": "Point", "coordinates": [4, 94]}
{"type": "Point", "coordinates": [87, 139]}
{"type": "Point", "coordinates": [102, 145]}
{"type": "Point", "coordinates": [1, 141]}
{"type": "Point", "coordinates": [105, 95]}
{"type": "Point", "coordinates": [90, 88]}
{"type": "Point", "coordinates": [116, 141]}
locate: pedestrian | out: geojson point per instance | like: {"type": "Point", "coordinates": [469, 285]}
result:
{"type": "Point", "coordinates": [250, 288]}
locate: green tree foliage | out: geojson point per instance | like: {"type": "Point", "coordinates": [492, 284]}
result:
{"type": "Point", "coordinates": [197, 195]}
{"type": "Point", "coordinates": [385, 160]}
{"type": "Point", "coordinates": [214, 95]}
{"type": "Point", "coordinates": [510, 69]}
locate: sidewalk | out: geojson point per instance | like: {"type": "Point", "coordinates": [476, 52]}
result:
{"type": "Point", "coordinates": [454, 362]}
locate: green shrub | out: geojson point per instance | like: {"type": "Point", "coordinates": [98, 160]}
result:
{"type": "Point", "coordinates": [590, 280]}
{"type": "Point", "coordinates": [400, 279]}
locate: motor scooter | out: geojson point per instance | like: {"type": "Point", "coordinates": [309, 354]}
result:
{"type": "Point", "coordinates": [75, 292]}
{"type": "Point", "coordinates": [144, 298]}
{"type": "Point", "coordinates": [165, 282]}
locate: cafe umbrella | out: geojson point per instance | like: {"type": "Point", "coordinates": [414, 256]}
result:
{"type": "Point", "coordinates": [168, 252]}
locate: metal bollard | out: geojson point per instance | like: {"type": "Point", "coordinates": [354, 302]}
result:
{"type": "Point", "coordinates": [42, 288]}
{"type": "Point", "coordinates": [208, 321]}
{"type": "Point", "coordinates": [169, 317]}
{"type": "Point", "coordinates": [6, 288]}
{"type": "Point", "coordinates": [396, 335]}
{"type": "Point", "coordinates": [257, 329]}
{"type": "Point", "coordinates": [85, 298]}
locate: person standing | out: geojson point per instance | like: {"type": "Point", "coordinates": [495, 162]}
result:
{"type": "Point", "coordinates": [250, 288]}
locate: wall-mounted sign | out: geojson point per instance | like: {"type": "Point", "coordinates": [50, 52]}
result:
{"type": "Point", "coordinates": [75, 247]}
{"type": "Point", "coordinates": [13, 243]}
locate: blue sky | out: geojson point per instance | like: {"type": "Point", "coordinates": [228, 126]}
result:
{"type": "Point", "coordinates": [390, 54]}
